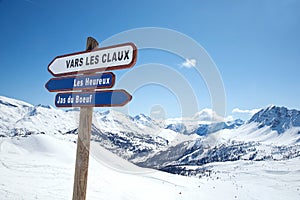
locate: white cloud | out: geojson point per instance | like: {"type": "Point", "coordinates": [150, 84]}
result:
{"type": "Point", "coordinates": [208, 115]}
{"type": "Point", "coordinates": [188, 63]}
{"type": "Point", "coordinates": [229, 118]}
{"type": "Point", "coordinates": [156, 112]}
{"type": "Point", "coordinates": [248, 112]}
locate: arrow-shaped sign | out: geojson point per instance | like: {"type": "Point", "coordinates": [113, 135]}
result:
{"type": "Point", "coordinates": [98, 81]}
{"type": "Point", "coordinates": [107, 98]}
{"type": "Point", "coordinates": [102, 59]}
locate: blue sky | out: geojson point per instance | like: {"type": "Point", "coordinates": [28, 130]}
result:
{"type": "Point", "coordinates": [254, 43]}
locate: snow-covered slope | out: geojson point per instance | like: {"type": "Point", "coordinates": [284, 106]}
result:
{"type": "Point", "coordinates": [278, 119]}
{"type": "Point", "coordinates": [10, 111]}
{"type": "Point", "coordinates": [272, 125]}
{"type": "Point", "coordinates": [20, 118]}
{"type": "Point", "coordinates": [271, 134]}
{"type": "Point", "coordinates": [227, 160]}
{"type": "Point", "coordinates": [133, 138]}
{"type": "Point", "coordinates": [116, 122]}
{"type": "Point", "coordinates": [42, 167]}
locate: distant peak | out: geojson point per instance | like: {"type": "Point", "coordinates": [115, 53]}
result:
{"type": "Point", "coordinates": [44, 106]}
{"type": "Point", "coordinates": [113, 112]}
{"type": "Point", "coordinates": [270, 106]}
{"type": "Point", "coordinates": [274, 108]}
{"type": "Point", "coordinates": [110, 112]}
{"type": "Point", "coordinates": [142, 116]}
{"type": "Point", "coordinates": [278, 118]}
{"type": "Point", "coordinates": [73, 109]}
{"type": "Point", "coordinates": [13, 102]}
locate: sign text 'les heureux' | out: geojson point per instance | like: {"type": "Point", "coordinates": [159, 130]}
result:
{"type": "Point", "coordinates": [97, 81]}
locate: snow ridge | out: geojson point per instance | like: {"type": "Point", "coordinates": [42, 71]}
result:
{"type": "Point", "coordinates": [277, 118]}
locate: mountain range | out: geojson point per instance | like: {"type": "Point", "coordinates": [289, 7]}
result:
{"type": "Point", "coordinates": [172, 145]}
{"type": "Point", "coordinates": [137, 157]}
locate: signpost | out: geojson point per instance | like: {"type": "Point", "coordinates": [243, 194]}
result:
{"type": "Point", "coordinates": [106, 98]}
{"type": "Point", "coordinates": [105, 80]}
{"type": "Point", "coordinates": [87, 63]}
{"type": "Point", "coordinates": [99, 59]}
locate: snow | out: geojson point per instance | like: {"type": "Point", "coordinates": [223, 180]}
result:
{"type": "Point", "coordinates": [37, 157]}
{"type": "Point", "coordinates": [13, 102]}
{"type": "Point", "coordinates": [265, 135]}
{"type": "Point", "coordinates": [10, 111]}
{"type": "Point", "coordinates": [259, 180]}
{"type": "Point", "coordinates": [42, 167]}
{"type": "Point", "coordinates": [19, 118]}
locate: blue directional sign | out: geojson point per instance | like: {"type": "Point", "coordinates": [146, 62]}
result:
{"type": "Point", "coordinates": [105, 80]}
{"type": "Point", "coordinates": [105, 98]}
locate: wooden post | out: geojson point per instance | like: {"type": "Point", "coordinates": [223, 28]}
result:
{"type": "Point", "coordinates": [83, 143]}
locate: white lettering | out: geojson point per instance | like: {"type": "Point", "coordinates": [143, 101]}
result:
{"type": "Point", "coordinates": [96, 81]}
{"type": "Point", "coordinates": [77, 83]}
{"type": "Point", "coordinates": [81, 100]}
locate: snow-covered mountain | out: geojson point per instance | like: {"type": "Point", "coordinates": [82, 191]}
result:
{"type": "Point", "coordinates": [273, 125]}
{"type": "Point", "coordinates": [205, 128]}
{"type": "Point", "coordinates": [202, 123]}
{"type": "Point", "coordinates": [278, 119]}
{"type": "Point", "coordinates": [20, 118]}
{"type": "Point", "coordinates": [272, 133]}
{"type": "Point", "coordinates": [133, 138]}
{"type": "Point", "coordinates": [37, 145]}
